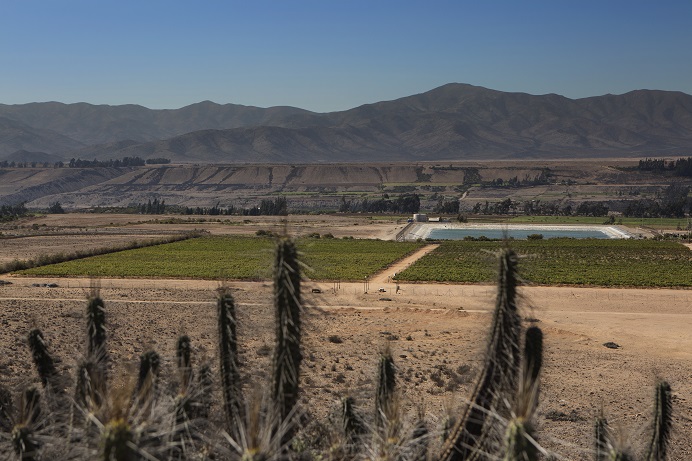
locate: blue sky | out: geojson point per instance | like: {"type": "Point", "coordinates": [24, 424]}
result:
{"type": "Point", "coordinates": [333, 55]}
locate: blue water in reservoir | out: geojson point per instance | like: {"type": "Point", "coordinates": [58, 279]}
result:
{"type": "Point", "coordinates": [520, 234]}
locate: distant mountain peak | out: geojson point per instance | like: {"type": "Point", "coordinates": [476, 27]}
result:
{"type": "Point", "coordinates": [451, 122]}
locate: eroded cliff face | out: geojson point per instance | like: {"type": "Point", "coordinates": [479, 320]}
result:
{"type": "Point", "coordinates": [309, 186]}
{"type": "Point", "coordinates": [315, 187]}
{"type": "Point", "coordinates": [19, 185]}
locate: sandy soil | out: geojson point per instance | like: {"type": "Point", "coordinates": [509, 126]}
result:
{"type": "Point", "coordinates": [356, 226]}
{"type": "Point", "coordinates": [436, 332]}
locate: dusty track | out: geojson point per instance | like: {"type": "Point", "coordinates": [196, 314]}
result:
{"type": "Point", "coordinates": [386, 275]}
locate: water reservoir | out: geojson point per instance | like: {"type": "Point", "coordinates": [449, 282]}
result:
{"type": "Point", "coordinates": [453, 231]}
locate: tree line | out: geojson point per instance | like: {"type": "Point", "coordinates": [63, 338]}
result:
{"type": "Point", "coordinates": [405, 204]}
{"type": "Point", "coordinates": [540, 179]}
{"type": "Point", "coordinates": [124, 162]}
{"type": "Point", "coordinates": [266, 207]}
{"type": "Point", "coordinates": [537, 207]}
{"type": "Point", "coordinates": [679, 167]}
{"type": "Point", "coordinates": [12, 212]}
{"type": "Point", "coordinates": [80, 163]}
{"type": "Point", "coordinates": [673, 203]}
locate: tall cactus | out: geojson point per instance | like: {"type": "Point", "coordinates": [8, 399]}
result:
{"type": "Point", "coordinates": [386, 387]}
{"type": "Point", "coordinates": [533, 355]}
{"type": "Point", "coordinates": [352, 424]}
{"type": "Point", "coordinates": [24, 440]}
{"type": "Point", "coordinates": [618, 455]}
{"type": "Point", "coordinates": [420, 440]}
{"type": "Point", "coordinates": [229, 363]}
{"type": "Point", "coordinates": [5, 409]}
{"type": "Point", "coordinates": [117, 441]}
{"type": "Point", "coordinates": [475, 429]}
{"type": "Point", "coordinates": [520, 442]}
{"type": "Point", "coordinates": [202, 407]}
{"type": "Point", "coordinates": [44, 363]}
{"type": "Point", "coordinates": [601, 439]}
{"type": "Point", "coordinates": [184, 401]}
{"type": "Point", "coordinates": [145, 391]}
{"type": "Point", "coordinates": [91, 385]}
{"type": "Point", "coordinates": [287, 310]}
{"type": "Point", "coordinates": [519, 445]}
{"type": "Point", "coordinates": [657, 450]}
{"type": "Point", "coordinates": [96, 330]}
{"type": "Point", "coordinates": [182, 352]}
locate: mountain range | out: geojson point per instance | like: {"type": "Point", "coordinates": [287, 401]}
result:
{"type": "Point", "coordinates": [452, 122]}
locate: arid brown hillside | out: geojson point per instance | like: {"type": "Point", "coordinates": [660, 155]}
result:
{"type": "Point", "coordinates": [323, 187]}
{"type": "Point", "coordinates": [19, 185]}
{"type": "Point", "coordinates": [452, 122]}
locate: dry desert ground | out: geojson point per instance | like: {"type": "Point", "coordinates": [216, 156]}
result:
{"type": "Point", "coordinates": [436, 332]}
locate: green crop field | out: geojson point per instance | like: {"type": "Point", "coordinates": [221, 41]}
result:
{"type": "Point", "coordinates": [236, 258]}
{"type": "Point", "coordinates": [332, 259]}
{"type": "Point", "coordinates": [637, 263]}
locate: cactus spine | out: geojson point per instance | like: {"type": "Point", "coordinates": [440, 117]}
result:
{"type": "Point", "coordinates": [520, 442]}
{"type": "Point", "coordinates": [533, 355]}
{"type": "Point", "coordinates": [90, 388]}
{"type": "Point", "coordinates": [96, 326]}
{"type": "Point", "coordinates": [42, 359]}
{"type": "Point", "coordinates": [662, 423]}
{"type": "Point", "coordinates": [351, 423]}
{"type": "Point", "coordinates": [145, 390]}
{"type": "Point", "coordinates": [182, 352]}
{"type": "Point", "coordinates": [386, 386]}
{"type": "Point", "coordinates": [202, 407]}
{"type": "Point", "coordinates": [472, 433]}
{"type": "Point", "coordinates": [183, 401]}
{"type": "Point", "coordinates": [601, 439]}
{"type": "Point", "coordinates": [24, 441]}
{"type": "Point", "coordinates": [117, 441]}
{"type": "Point", "coordinates": [420, 440]}
{"type": "Point", "coordinates": [287, 309]}
{"type": "Point", "coordinates": [5, 409]}
{"type": "Point", "coordinates": [229, 364]}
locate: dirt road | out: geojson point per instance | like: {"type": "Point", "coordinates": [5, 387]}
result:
{"type": "Point", "coordinates": [386, 275]}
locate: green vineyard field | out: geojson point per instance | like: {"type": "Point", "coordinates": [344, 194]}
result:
{"type": "Point", "coordinates": [236, 258]}
{"type": "Point", "coordinates": [590, 262]}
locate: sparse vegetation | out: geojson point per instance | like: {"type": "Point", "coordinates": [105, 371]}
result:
{"type": "Point", "coordinates": [56, 208]}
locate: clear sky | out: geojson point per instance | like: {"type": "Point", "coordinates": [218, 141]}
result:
{"type": "Point", "coordinates": [326, 55]}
